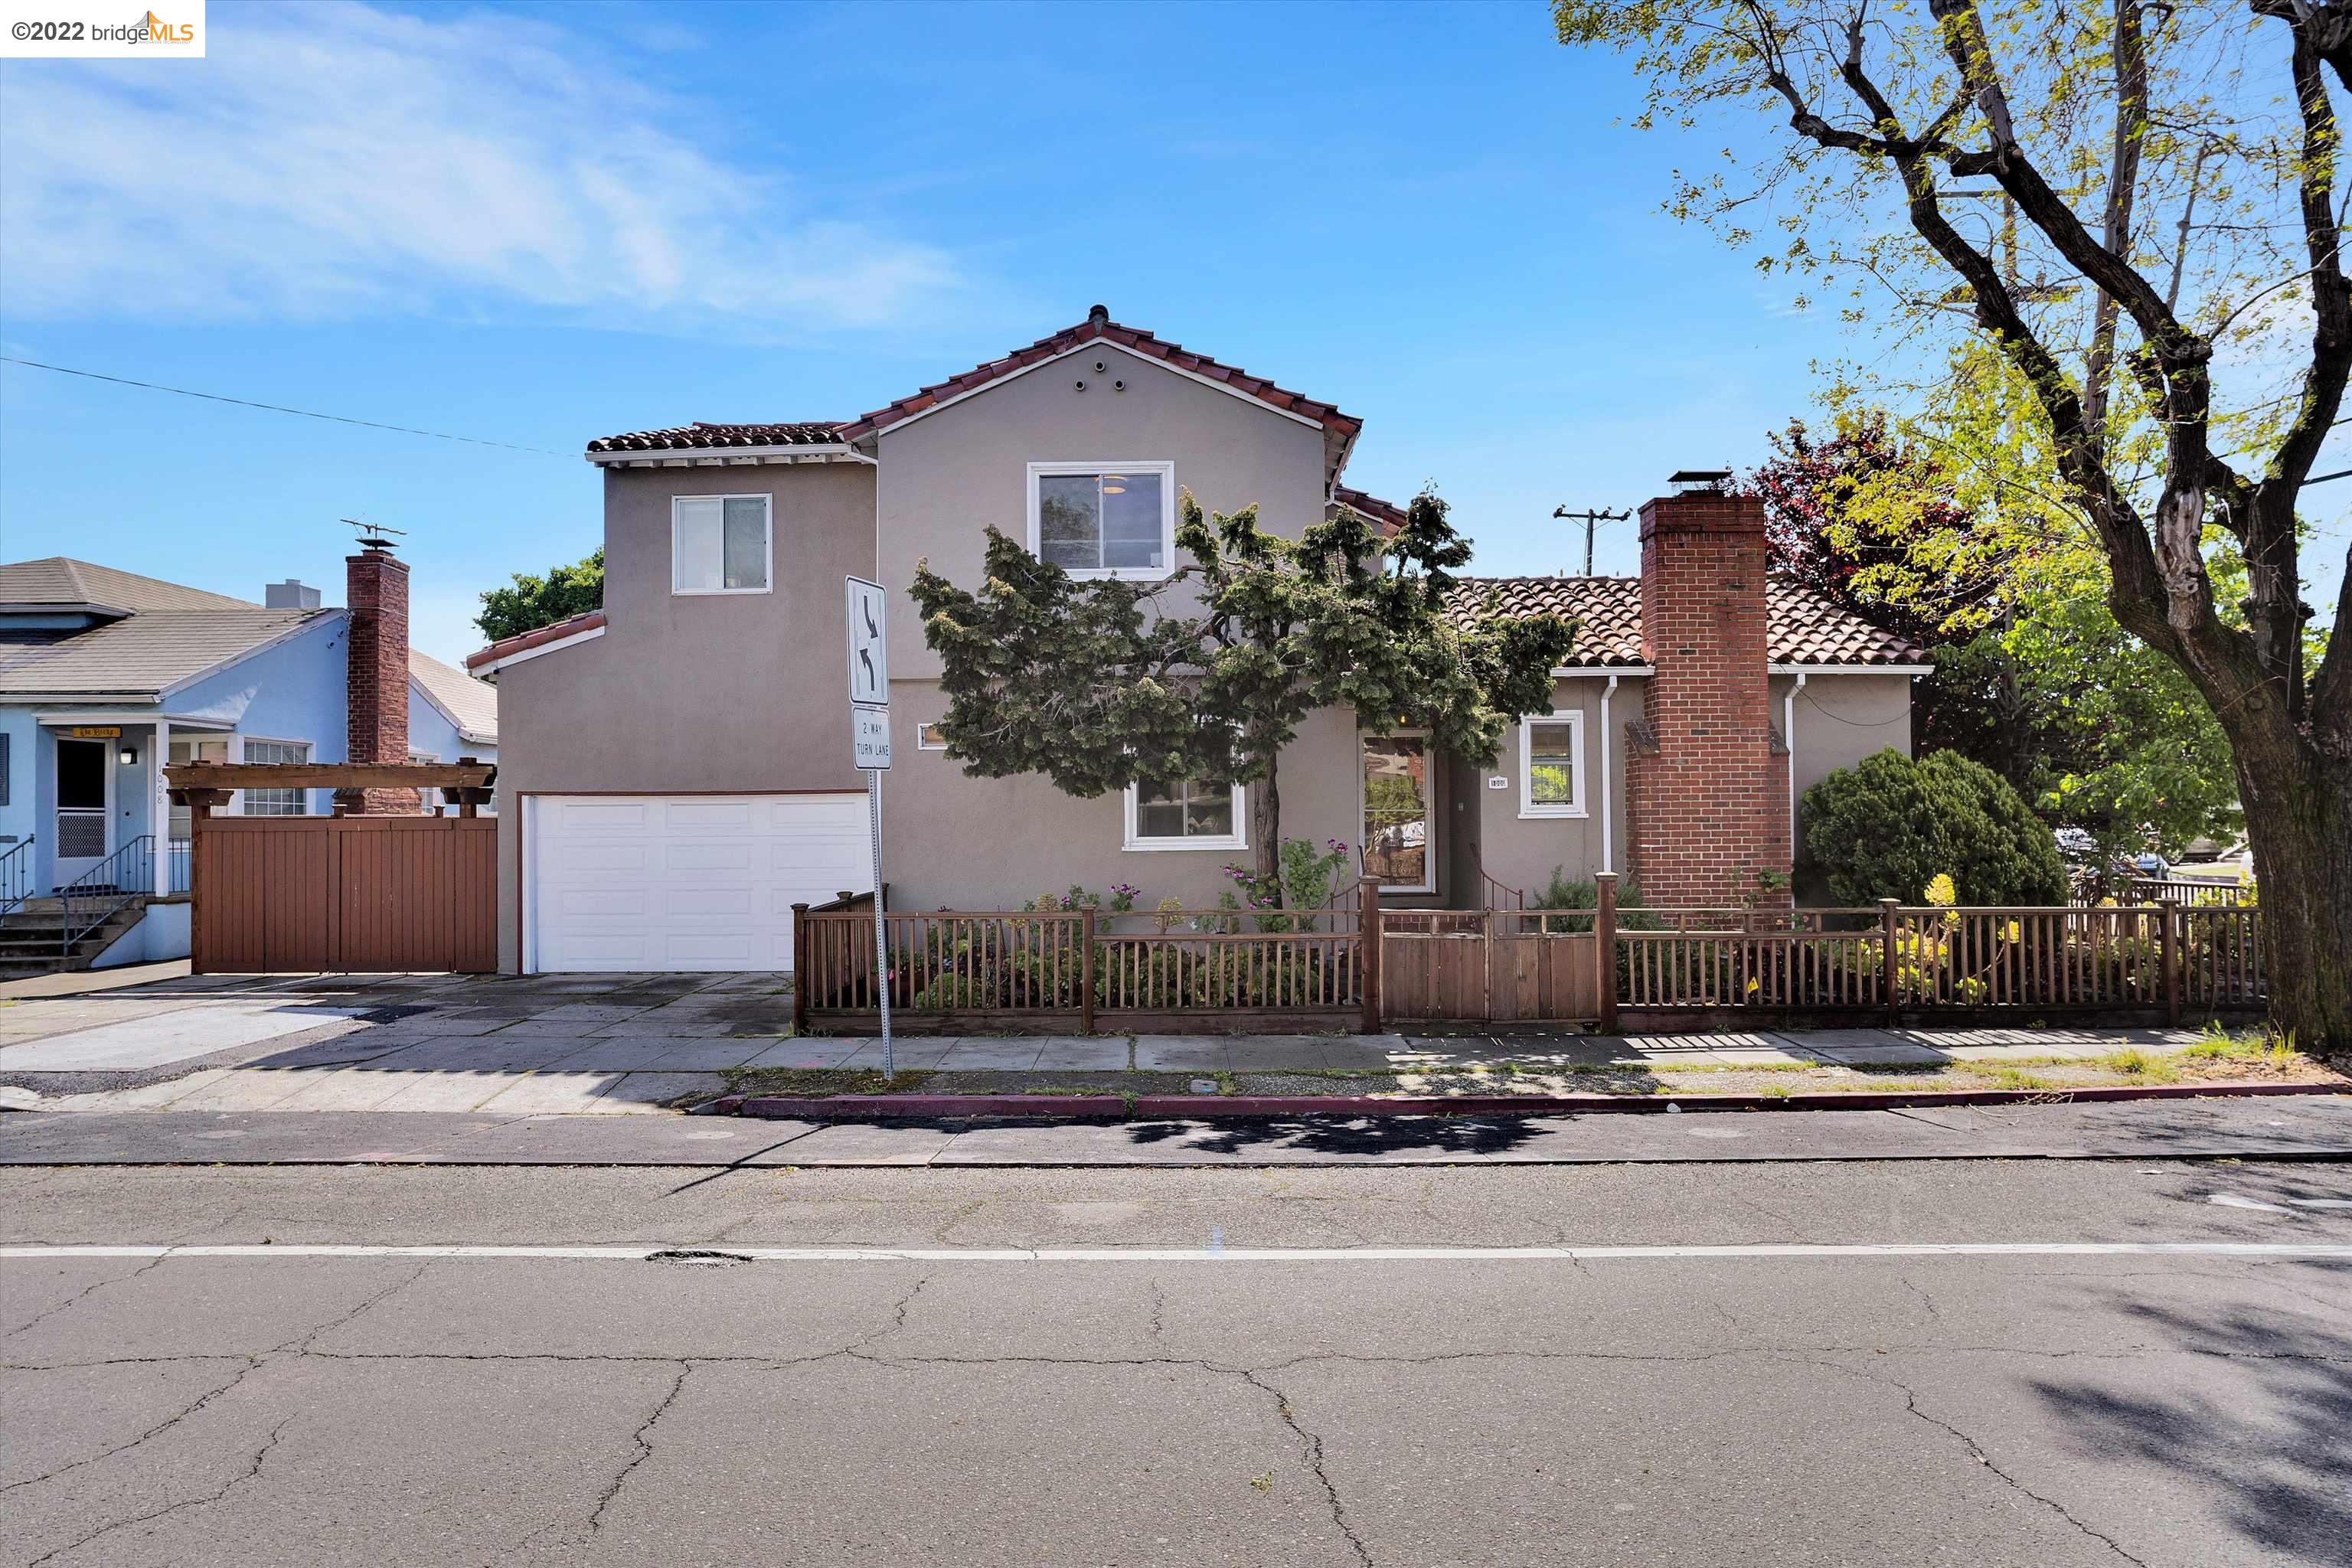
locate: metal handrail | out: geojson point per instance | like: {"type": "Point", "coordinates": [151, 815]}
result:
{"type": "Point", "coordinates": [17, 876]}
{"type": "Point", "coordinates": [92, 899]}
{"type": "Point", "coordinates": [179, 861]}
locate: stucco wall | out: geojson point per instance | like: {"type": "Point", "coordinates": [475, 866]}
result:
{"type": "Point", "coordinates": [703, 692]}
{"type": "Point", "coordinates": [945, 478]}
{"type": "Point", "coordinates": [954, 842]}
{"type": "Point", "coordinates": [1521, 852]}
{"type": "Point", "coordinates": [430, 733]}
{"type": "Point", "coordinates": [1839, 718]}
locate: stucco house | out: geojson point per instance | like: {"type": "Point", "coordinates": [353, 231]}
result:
{"type": "Point", "coordinates": [105, 675]}
{"type": "Point", "coordinates": [676, 768]}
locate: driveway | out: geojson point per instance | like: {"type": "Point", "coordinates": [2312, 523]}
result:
{"type": "Point", "coordinates": [581, 1044]}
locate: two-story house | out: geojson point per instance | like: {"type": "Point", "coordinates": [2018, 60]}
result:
{"type": "Point", "coordinates": [676, 767]}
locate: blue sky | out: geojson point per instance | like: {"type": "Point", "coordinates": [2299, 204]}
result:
{"type": "Point", "coordinates": [537, 224]}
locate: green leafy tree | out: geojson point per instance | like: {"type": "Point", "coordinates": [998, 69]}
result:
{"type": "Point", "coordinates": [534, 602]}
{"type": "Point", "coordinates": [2137, 210]}
{"type": "Point", "coordinates": [1101, 684]}
{"type": "Point", "coordinates": [1889, 826]}
{"type": "Point", "coordinates": [1931, 528]}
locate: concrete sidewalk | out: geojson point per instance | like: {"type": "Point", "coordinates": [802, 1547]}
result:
{"type": "Point", "coordinates": [606, 1045]}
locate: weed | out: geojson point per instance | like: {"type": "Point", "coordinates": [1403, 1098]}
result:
{"type": "Point", "coordinates": [2006, 1076]}
{"type": "Point", "coordinates": [2144, 1066]}
{"type": "Point", "coordinates": [1264, 1483]}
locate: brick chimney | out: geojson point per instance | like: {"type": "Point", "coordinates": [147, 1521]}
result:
{"type": "Point", "coordinates": [376, 676]}
{"type": "Point", "coordinates": [1706, 800]}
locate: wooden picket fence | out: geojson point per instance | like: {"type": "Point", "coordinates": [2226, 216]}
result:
{"type": "Point", "coordinates": [1081, 969]}
{"type": "Point", "coordinates": [1237, 970]}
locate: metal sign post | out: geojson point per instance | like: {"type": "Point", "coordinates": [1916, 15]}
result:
{"type": "Point", "coordinates": [869, 726]}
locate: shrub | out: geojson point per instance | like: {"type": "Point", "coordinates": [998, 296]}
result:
{"type": "Point", "coordinates": [1889, 826]}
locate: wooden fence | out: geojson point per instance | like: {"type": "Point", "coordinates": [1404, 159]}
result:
{"type": "Point", "coordinates": [1494, 965]}
{"type": "Point", "coordinates": [366, 894]}
{"type": "Point", "coordinates": [1235, 970]}
{"type": "Point", "coordinates": [1076, 968]}
{"type": "Point", "coordinates": [1896, 960]}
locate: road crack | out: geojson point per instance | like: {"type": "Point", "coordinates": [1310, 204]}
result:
{"type": "Point", "coordinates": [252, 1471]}
{"type": "Point", "coordinates": [252, 1365]}
{"type": "Point", "coordinates": [1312, 1445]}
{"type": "Point", "coordinates": [1911, 1402]}
{"type": "Point", "coordinates": [644, 1449]}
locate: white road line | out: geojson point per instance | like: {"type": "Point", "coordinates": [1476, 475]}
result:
{"type": "Point", "coordinates": [1220, 1254]}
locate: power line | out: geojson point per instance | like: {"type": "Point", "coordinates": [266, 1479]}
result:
{"type": "Point", "coordinates": [280, 408]}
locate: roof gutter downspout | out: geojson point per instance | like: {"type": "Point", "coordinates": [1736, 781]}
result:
{"type": "Point", "coordinates": [1789, 738]}
{"type": "Point", "coordinates": [1607, 864]}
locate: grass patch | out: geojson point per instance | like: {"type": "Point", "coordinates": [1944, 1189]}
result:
{"type": "Point", "coordinates": [816, 1083]}
{"type": "Point", "coordinates": [2139, 1065]}
{"type": "Point", "coordinates": [2256, 1045]}
{"type": "Point", "coordinates": [2007, 1076]}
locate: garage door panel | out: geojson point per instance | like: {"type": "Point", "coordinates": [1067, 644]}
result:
{"type": "Point", "coordinates": [732, 817]}
{"type": "Point", "coordinates": [684, 882]}
{"type": "Point", "coordinates": [575, 902]}
{"type": "Point", "coordinates": [578, 818]}
{"type": "Point", "coordinates": [588, 857]}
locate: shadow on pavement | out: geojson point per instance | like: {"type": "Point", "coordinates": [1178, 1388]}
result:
{"type": "Point", "coordinates": [1339, 1135]}
{"type": "Point", "coordinates": [2283, 1474]}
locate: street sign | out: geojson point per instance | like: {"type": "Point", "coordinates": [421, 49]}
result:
{"type": "Point", "coordinates": [870, 732]}
{"type": "Point", "coordinates": [869, 666]}
{"type": "Point", "coordinates": [870, 736]}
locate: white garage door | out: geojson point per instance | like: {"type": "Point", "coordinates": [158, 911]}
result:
{"type": "Point", "coordinates": [626, 882]}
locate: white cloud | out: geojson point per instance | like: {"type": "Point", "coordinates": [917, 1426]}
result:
{"type": "Point", "coordinates": [325, 161]}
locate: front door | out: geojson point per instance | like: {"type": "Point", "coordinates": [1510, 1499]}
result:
{"type": "Point", "coordinates": [84, 769]}
{"type": "Point", "coordinates": [1398, 850]}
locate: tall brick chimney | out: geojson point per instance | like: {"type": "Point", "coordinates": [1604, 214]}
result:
{"type": "Point", "coordinates": [376, 676]}
{"type": "Point", "coordinates": [1708, 800]}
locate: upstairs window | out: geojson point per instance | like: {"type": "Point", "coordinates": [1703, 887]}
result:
{"type": "Point", "coordinates": [720, 544]}
{"type": "Point", "coordinates": [1104, 519]}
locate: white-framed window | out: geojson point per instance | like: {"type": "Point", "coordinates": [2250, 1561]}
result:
{"type": "Point", "coordinates": [427, 796]}
{"type": "Point", "coordinates": [722, 544]}
{"type": "Point", "coordinates": [276, 802]}
{"type": "Point", "coordinates": [1190, 813]}
{"type": "Point", "coordinates": [1104, 519]}
{"type": "Point", "coordinates": [192, 749]}
{"type": "Point", "coordinates": [1394, 790]}
{"type": "Point", "coordinates": [929, 739]}
{"type": "Point", "coordinates": [1551, 765]}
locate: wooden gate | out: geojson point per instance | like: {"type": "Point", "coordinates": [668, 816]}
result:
{"type": "Point", "coordinates": [366, 894]}
{"type": "Point", "coordinates": [1489, 966]}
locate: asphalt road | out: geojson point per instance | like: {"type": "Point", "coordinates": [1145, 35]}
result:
{"type": "Point", "coordinates": [1262, 1389]}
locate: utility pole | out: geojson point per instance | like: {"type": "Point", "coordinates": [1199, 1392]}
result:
{"type": "Point", "coordinates": [1591, 520]}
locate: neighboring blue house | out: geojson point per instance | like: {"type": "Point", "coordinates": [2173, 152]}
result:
{"type": "Point", "coordinates": [105, 674]}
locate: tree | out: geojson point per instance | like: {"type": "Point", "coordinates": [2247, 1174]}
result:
{"type": "Point", "coordinates": [535, 602]}
{"type": "Point", "coordinates": [1846, 518]}
{"type": "Point", "coordinates": [1101, 684]}
{"type": "Point", "coordinates": [1928, 528]}
{"type": "Point", "coordinates": [2171, 235]}
{"type": "Point", "coordinates": [1888, 826]}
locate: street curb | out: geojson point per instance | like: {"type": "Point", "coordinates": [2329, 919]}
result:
{"type": "Point", "coordinates": [1201, 1107]}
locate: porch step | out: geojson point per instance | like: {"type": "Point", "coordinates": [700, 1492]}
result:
{"type": "Point", "coordinates": [32, 939]}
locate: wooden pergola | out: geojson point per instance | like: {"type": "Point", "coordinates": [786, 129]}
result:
{"type": "Point", "coordinates": [203, 787]}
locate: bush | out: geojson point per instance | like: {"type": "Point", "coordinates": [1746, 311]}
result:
{"type": "Point", "coordinates": [1888, 826]}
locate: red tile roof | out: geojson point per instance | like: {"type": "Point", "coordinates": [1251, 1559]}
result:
{"type": "Point", "coordinates": [702, 436]}
{"type": "Point", "coordinates": [570, 625]}
{"type": "Point", "coordinates": [1387, 513]}
{"type": "Point", "coordinates": [1340, 429]}
{"type": "Point", "coordinates": [1802, 626]}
